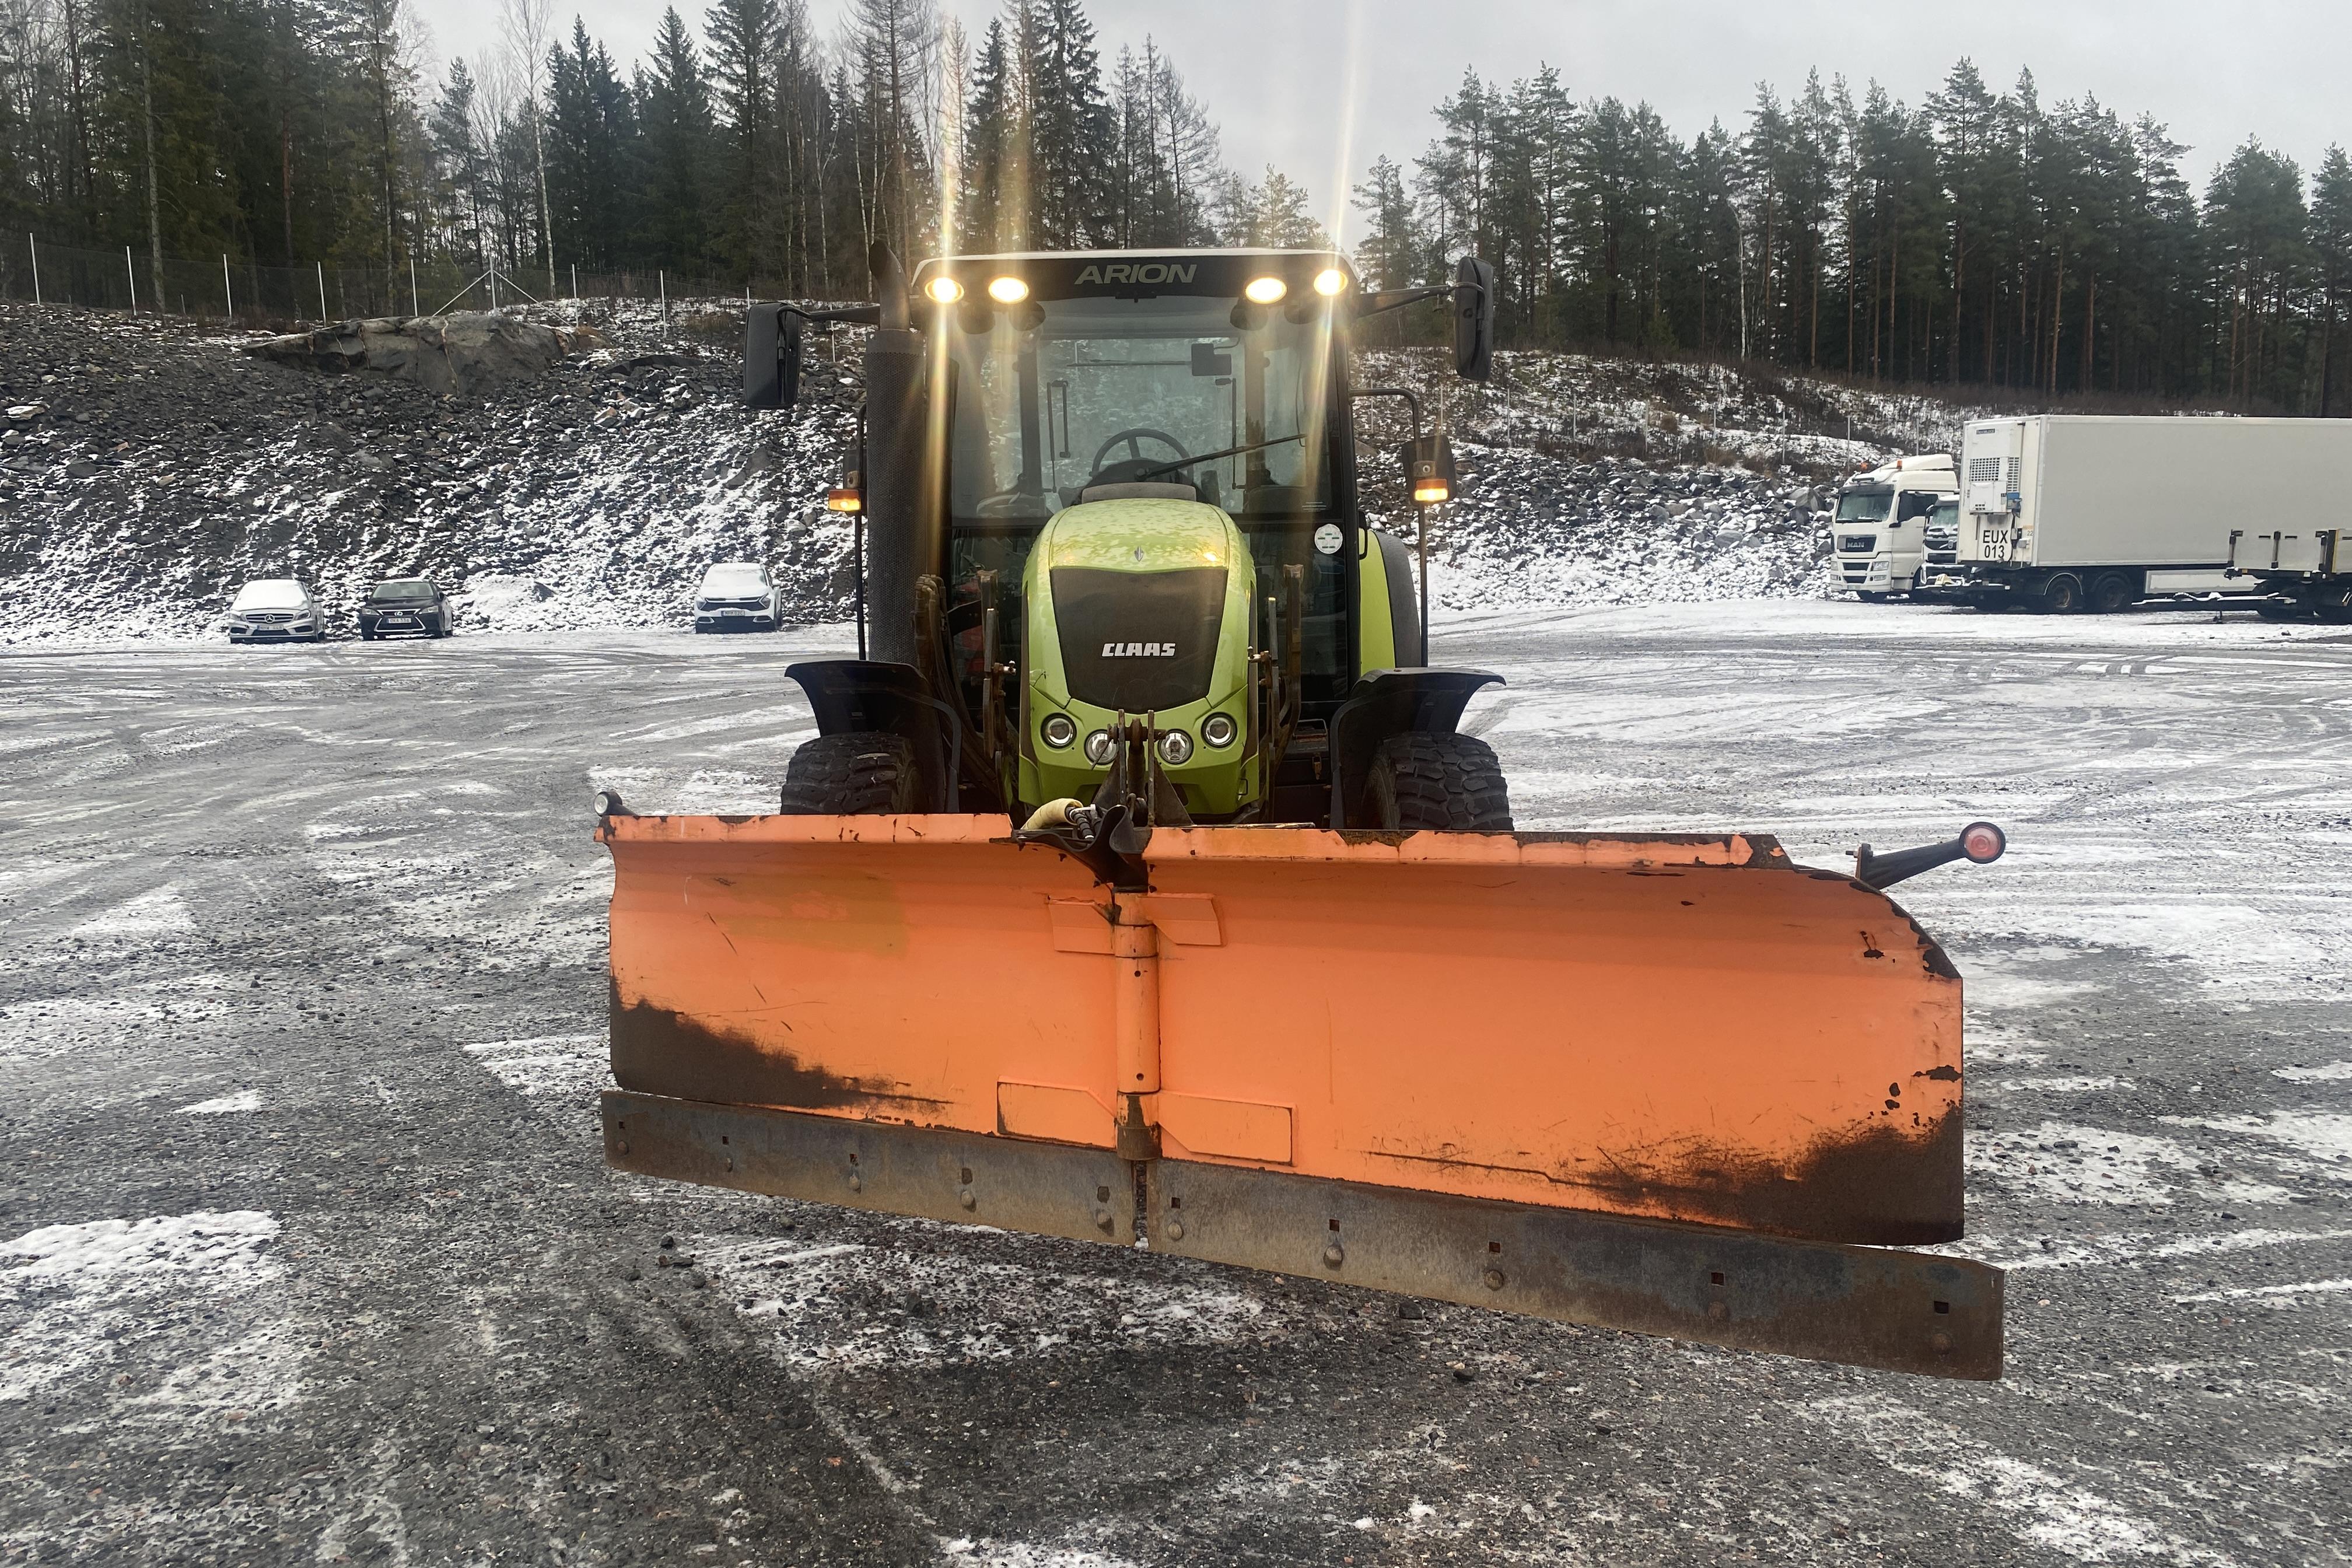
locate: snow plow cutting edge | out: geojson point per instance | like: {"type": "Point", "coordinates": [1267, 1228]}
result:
{"type": "Point", "coordinates": [1672, 1084]}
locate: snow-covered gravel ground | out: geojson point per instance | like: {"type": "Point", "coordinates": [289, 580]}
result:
{"type": "Point", "coordinates": [307, 1254]}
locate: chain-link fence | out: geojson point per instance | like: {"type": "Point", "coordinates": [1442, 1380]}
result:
{"type": "Point", "coordinates": [224, 288]}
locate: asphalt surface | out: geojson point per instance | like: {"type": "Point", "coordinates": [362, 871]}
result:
{"type": "Point", "coordinates": [307, 1252]}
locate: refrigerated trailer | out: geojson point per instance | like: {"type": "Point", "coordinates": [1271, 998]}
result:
{"type": "Point", "coordinates": [2068, 512]}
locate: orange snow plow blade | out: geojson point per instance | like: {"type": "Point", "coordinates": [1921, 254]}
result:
{"type": "Point", "coordinates": [1668, 1083]}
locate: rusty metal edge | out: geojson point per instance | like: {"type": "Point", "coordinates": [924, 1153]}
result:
{"type": "Point", "coordinates": [1272, 842]}
{"type": "Point", "coordinates": [1859, 1305]}
{"type": "Point", "coordinates": [959, 1178]}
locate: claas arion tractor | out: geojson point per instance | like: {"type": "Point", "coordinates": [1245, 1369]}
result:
{"type": "Point", "coordinates": [1141, 887]}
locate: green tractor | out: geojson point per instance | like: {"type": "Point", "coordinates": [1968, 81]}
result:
{"type": "Point", "coordinates": [1112, 550]}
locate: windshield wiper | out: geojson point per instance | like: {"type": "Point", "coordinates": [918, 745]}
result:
{"type": "Point", "coordinates": [1216, 457]}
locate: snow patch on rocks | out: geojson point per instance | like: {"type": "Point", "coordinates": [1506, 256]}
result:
{"type": "Point", "coordinates": [207, 1241]}
{"type": "Point", "coordinates": [236, 1104]}
{"type": "Point", "coordinates": [848, 1307]}
{"type": "Point", "coordinates": [557, 1065]}
{"type": "Point", "coordinates": [75, 1297]}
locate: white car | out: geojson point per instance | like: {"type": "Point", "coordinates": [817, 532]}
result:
{"type": "Point", "coordinates": [274, 609]}
{"type": "Point", "coordinates": [738, 596]}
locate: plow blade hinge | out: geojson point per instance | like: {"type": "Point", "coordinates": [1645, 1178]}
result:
{"type": "Point", "coordinates": [1046, 1189]}
{"type": "Point", "coordinates": [1902, 1311]}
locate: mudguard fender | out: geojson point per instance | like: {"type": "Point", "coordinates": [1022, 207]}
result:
{"type": "Point", "coordinates": [1388, 703]}
{"type": "Point", "coordinates": [850, 695]}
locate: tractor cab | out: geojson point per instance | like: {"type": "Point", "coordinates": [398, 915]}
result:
{"type": "Point", "coordinates": [1115, 525]}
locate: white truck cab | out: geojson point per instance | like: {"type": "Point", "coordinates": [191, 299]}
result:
{"type": "Point", "coordinates": [1880, 533]}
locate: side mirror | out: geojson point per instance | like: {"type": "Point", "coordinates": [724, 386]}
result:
{"type": "Point", "coordinates": [771, 356]}
{"type": "Point", "coordinates": [1474, 318]}
{"type": "Point", "coordinates": [1429, 472]}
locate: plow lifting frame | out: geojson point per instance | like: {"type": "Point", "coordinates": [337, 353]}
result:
{"type": "Point", "coordinates": [1672, 1084]}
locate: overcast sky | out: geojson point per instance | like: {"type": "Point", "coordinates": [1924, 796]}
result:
{"type": "Point", "coordinates": [1320, 88]}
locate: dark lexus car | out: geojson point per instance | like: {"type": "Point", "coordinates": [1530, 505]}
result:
{"type": "Point", "coordinates": [405, 607]}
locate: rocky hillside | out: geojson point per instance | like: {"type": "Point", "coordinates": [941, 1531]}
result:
{"type": "Point", "coordinates": [148, 467]}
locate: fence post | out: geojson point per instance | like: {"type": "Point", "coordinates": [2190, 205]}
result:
{"type": "Point", "coordinates": [36, 246]}
{"type": "Point", "coordinates": [322, 291]}
{"type": "Point", "coordinates": [133, 273]}
{"type": "Point", "coordinates": [575, 282]}
{"type": "Point", "coordinates": [663, 276]}
{"type": "Point", "coordinates": [413, 308]}
{"type": "Point", "coordinates": [228, 294]}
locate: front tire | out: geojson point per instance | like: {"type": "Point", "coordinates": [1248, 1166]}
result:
{"type": "Point", "coordinates": [866, 773]}
{"type": "Point", "coordinates": [1427, 783]}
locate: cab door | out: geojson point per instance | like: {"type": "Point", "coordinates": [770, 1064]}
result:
{"type": "Point", "coordinates": [1905, 539]}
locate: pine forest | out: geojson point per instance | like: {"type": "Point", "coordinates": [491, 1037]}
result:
{"type": "Point", "coordinates": [1981, 237]}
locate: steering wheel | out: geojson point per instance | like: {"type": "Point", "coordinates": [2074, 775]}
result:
{"type": "Point", "coordinates": [1135, 458]}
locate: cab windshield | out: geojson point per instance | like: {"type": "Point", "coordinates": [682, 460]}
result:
{"type": "Point", "coordinates": [1099, 390]}
{"type": "Point", "coordinates": [1865, 506]}
{"type": "Point", "coordinates": [400, 593]}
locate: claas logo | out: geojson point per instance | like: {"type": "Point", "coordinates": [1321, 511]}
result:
{"type": "Point", "coordinates": [1139, 651]}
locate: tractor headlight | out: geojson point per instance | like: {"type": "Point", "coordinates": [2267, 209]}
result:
{"type": "Point", "coordinates": [944, 289]}
{"type": "Point", "coordinates": [1059, 732]}
{"type": "Point", "coordinates": [1330, 281]}
{"type": "Point", "coordinates": [1100, 748]}
{"type": "Point", "coordinates": [1265, 290]}
{"type": "Point", "coordinates": [1217, 729]}
{"type": "Point", "coordinates": [1175, 748]}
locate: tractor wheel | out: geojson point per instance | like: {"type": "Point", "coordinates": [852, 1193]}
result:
{"type": "Point", "coordinates": [2063, 595]}
{"type": "Point", "coordinates": [1441, 782]}
{"type": "Point", "coordinates": [867, 772]}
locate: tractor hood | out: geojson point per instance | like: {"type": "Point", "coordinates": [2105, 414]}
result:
{"type": "Point", "coordinates": [1137, 590]}
{"type": "Point", "coordinates": [1140, 534]}
{"type": "Point", "coordinates": [1138, 605]}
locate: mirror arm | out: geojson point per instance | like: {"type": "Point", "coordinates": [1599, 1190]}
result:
{"type": "Point", "coordinates": [1411, 401]}
{"type": "Point", "coordinates": [833, 315]}
{"type": "Point", "coordinates": [1390, 299]}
